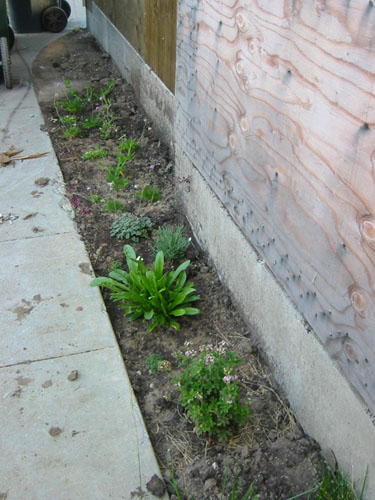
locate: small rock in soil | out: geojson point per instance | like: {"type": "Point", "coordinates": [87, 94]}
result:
{"type": "Point", "coordinates": [156, 486]}
{"type": "Point", "coordinates": [210, 484]}
{"type": "Point", "coordinates": [245, 452]}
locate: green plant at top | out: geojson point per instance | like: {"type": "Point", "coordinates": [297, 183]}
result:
{"type": "Point", "coordinates": [72, 132]}
{"type": "Point", "coordinates": [113, 206]}
{"type": "Point", "coordinates": [94, 154]}
{"type": "Point", "coordinates": [96, 198]}
{"type": "Point", "coordinates": [149, 193]}
{"type": "Point", "coordinates": [106, 117]}
{"type": "Point", "coordinates": [116, 176]}
{"type": "Point", "coordinates": [91, 122]}
{"type": "Point", "coordinates": [172, 241]}
{"type": "Point", "coordinates": [157, 363]}
{"type": "Point", "coordinates": [128, 146]}
{"type": "Point", "coordinates": [210, 391]}
{"type": "Point", "coordinates": [68, 120]}
{"type": "Point", "coordinates": [131, 227]}
{"type": "Point", "coordinates": [73, 103]}
{"type": "Point", "coordinates": [154, 295]}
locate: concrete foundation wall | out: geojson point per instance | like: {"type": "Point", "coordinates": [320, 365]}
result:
{"type": "Point", "coordinates": [319, 395]}
{"type": "Point", "coordinates": [155, 97]}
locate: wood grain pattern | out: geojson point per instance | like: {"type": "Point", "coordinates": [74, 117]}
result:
{"type": "Point", "coordinates": [276, 108]}
{"type": "Point", "coordinates": [160, 30]}
{"type": "Point", "coordinates": [150, 27]}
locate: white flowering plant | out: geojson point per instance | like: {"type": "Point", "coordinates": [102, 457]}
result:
{"type": "Point", "coordinates": [209, 389]}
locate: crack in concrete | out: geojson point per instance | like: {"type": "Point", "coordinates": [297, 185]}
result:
{"type": "Point", "coordinates": [30, 361]}
{"type": "Point", "coordinates": [34, 237]}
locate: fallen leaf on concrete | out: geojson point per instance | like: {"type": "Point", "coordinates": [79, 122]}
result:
{"type": "Point", "coordinates": [55, 431]}
{"type": "Point", "coordinates": [73, 375]}
{"type": "Point", "coordinates": [30, 215]}
{"type": "Point", "coordinates": [8, 156]}
{"type": "Point", "coordinates": [42, 181]}
{"type": "Point", "coordinates": [13, 152]}
{"type": "Point", "coordinates": [8, 217]}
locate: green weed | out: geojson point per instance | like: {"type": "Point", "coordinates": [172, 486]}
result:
{"type": "Point", "coordinates": [171, 241]}
{"type": "Point", "coordinates": [94, 154]}
{"type": "Point", "coordinates": [113, 206]}
{"type": "Point", "coordinates": [149, 193]}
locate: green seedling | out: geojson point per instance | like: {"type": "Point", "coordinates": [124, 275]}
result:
{"type": "Point", "coordinates": [96, 198]}
{"type": "Point", "coordinates": [72, 132]}
{"type": "Point", "coordinates": [94, 154]}
{"type": "Point", "coordinates": [113, 206]}
{"type": "Point", "coordinates": [149, 193]}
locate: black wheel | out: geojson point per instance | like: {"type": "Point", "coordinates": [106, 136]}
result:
{"type": "Point", "coordinates": [11, 38]}
{"type": "Point", "coordinates": [66, 8]}
{"type": "Point", "coordinates": [5, 62]}
{"type": "Point", "coordinates": [54, 19]}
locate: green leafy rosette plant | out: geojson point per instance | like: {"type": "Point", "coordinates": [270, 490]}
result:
{"type": "Point", "coordinates": [152, 294]}
{"type": "Point", "coordinates": [131, 227]}
{"type": "Point", "coordinates": [210, 391]}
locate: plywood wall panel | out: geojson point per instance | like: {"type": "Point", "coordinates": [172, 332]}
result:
{"type": "Point", "coordinates": [276, 107]}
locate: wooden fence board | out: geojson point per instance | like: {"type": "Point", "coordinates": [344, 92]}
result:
{"type": "Point", "coordinates": [128, 17]}
{"type": "Point", "coordinates": [276, 107]}
{"type": "Point", "coordinates": [150, 27]}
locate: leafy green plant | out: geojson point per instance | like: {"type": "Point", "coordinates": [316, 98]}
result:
{"type": "Point", "coordinates": [171, 241]}
{"type": "Point", "coordinates": [149, 193]}
{"type": "Point", "coordinates": [68, 120]}
{"type": "Point", "coordinates": [73, 105]}
{"type": "Point", "coordinates": [116, 176]}
{"type": "Point", "coordinates": [113, 206]}
{"type": "Point", "coordinates": [96, 198]}
{"type": "Point", "coordinates": [150, 293]}
{"type": "Point", "coordinates": [94, 154]}
{"type": "Point", "coordinates": [157, 363]}
{"type": "Point", "coordinates": [209, 390]}
{"type": "Point", "coordinates": [128, 146]}
{"type": "Point", "coordinates": [72, 132]}
{"type": "Point", "coordinates": [106, 117]}
{"type": "Point", "coordinates": [91, 122]}
{"type": "Point", "coordinates": [131, 227]}
{"type": "Point", "coordinates": [72, 102]}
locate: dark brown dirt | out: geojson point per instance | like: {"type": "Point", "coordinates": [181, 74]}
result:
{"type": "Point", "coordinates": [272, 449]}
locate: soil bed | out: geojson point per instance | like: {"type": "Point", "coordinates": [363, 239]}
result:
{"type": "Point", "coordinates": [272, 448]}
